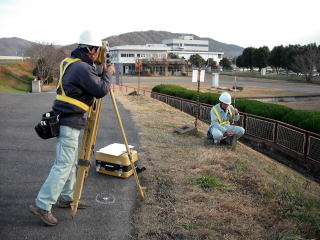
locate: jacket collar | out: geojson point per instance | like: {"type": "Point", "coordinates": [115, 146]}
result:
{"type": "Point", "coordinates": [220, 108]}
{"type": "Point", "coordinates": [78, 53]}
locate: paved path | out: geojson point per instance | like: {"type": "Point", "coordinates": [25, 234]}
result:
{"type": "Point", "coordinates": [270, 83]}
{"type": "Point", "coordinates": [7, 62]}
{"type": "Point", "coordinates": [241, 81]}
{"type": "Point", "coordinates": [25, 161]}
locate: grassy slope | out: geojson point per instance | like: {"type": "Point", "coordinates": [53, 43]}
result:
{"type": "Point", "coordinates": [196, 191]}
{"type": "Point", "coordinates": [16, 77]}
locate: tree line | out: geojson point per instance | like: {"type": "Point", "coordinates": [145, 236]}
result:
{"type": "Point", "coordinates": [303, 60]}
{"type": "Point", "coordinates": [198, 61]}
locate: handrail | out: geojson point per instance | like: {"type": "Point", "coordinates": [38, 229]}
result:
{"type": "Point", "coordinates": [291, 141]}
{"type": "Point", "coordinates": [275, 142]}
{"type": "Point", "coordinates": [248, 114]}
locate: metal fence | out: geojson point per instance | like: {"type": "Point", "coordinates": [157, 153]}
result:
{"type": "Point", "coordinates": [298, 145]}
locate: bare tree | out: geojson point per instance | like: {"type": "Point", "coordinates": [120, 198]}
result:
{"type": "Point", "coordinates": [307, 62]}
{"type": "Point", "coordinates": [46, 59]}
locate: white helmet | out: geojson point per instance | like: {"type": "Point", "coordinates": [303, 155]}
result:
{"type": "Point", "coordinates": [87, 38]}
{"type": "Point", "coordinates": [225, 98]}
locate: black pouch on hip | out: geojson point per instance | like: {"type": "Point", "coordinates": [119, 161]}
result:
{"type": "Point", "coordinates": [49, 126]}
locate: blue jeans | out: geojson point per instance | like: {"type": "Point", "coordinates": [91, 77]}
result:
{"type": "Point", "coordinates": [62, 176]}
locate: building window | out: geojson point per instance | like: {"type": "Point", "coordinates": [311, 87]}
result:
{"type": "Point", "coordinates": [138, 54]}
{"type": "Point", "coordinates": [195, 45]}
{"type": "Point", "coordinates": [127, 55]}
{"type": "Point", "coordinates": [219, 56]}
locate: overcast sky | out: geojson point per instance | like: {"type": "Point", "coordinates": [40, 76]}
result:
{"type": "Point", "coordinates": [242, 22]}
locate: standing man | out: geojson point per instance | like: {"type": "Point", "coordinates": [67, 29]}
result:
{"type": "Point", "coordinates": [221, 116]}
{"type": "Point", "coordinates": [78, 85]}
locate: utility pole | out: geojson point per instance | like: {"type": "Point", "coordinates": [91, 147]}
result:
{"type": "Point", "coordinates": [234, 94]}
{"type": "Point", "coordinates": [139, 80]}
{"type": "Point", "coordinates": [198, 99]}
{"type": "Point", "coordinates": [235, 88]}
{"type": "Point", "coordinates": [138, 68]}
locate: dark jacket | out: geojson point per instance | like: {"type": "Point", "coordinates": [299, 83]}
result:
{"type": "Point", "coordinates": [80, 81]}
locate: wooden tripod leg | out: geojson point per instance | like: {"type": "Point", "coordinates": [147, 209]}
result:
{"type": "Point", "coordinates": [87, 147]}
{"type": "Point", "coordinates": [81, 172]}
{"type": "Point", "coordinates": [141, 189]}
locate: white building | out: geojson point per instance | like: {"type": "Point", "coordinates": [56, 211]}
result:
{"type": "Point", "coordinates": [216, 56]}
{"type": "Point", "coordinates": [129, 53]}
{"type": "Point", "coordinates": [187, 43]}
{"type": "Point", "coordinates": [125, 56]}
{"type": "Point", "coordinates": [185, 46]}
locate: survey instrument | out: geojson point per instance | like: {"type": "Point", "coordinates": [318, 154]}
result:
{"type": "Point", "coordinates": [89, 139]}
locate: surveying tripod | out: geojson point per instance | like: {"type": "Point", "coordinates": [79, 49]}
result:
{"type": "Point", "coordinates": [87, 148]}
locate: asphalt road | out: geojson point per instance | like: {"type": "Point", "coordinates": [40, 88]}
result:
{"type": "Point", "coordinates": [25, 161]}
{"type": "Point", "coordinates": [8, 62]}
{"type": "Point", "coordinates": [241, 81]}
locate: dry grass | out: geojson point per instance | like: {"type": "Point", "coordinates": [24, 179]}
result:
{"type": "Point", "coordinates": [247, 195]}
{"type": "Point", "coordinates": [15, 77]}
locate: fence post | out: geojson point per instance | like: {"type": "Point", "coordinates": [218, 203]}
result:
{"type": "Point", "coordinates": [200, 112]}
{"type": "Point", "coordinates": [245, 122]}
{"type": "Point", "coordinates": [275, 133]}
{"type": "Point", "coordinates": [306, 147]}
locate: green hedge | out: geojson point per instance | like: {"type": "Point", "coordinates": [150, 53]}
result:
{"type": "Point", "coordinates": [305, 119]}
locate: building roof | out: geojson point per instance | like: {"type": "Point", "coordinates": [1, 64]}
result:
{"type": "Point", "coordinates": [150, 47]}
{"type": "Point", "coordinates": [193, 52]}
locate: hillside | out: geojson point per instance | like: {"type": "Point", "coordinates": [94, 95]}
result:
{"type": "Point", "coordinates": [13, 46]}
{"type": "Point", "coordinates": [158, 36]}
{"type": "Point", "coordinates": [16, 77]}
{"type": "Point", "coordinates": [142, 38]}
{"type": "Point", "coordinates": [10, 46]}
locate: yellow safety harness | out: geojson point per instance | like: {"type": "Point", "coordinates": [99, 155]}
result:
{"type": "Point", "coordinates": [219, 117]}
{"type": "Point", "coordinates": [63, 97]}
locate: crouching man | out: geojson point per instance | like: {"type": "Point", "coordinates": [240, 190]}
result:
{"type": "Point", "coordinates": [222, 115]}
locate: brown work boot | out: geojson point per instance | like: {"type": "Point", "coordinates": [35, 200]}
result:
{"type": "Point", "coordinates": [67, 204]}
{"type": "Point", "coordinates": [46, 216]}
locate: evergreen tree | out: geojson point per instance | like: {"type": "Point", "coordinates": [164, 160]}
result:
{"type": "Point", "coordinates": [196, 60]}
{"type": "Point", "coordinates": [225, 63]}
{"type": "Point", "coordinates": [275, 57]}
{"type": "Point", "coordinates": [239, 62]}
{"type": "Point", "coordinates": [248, 57]}
{"type": "Point", "coordinates": [260, 57]}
